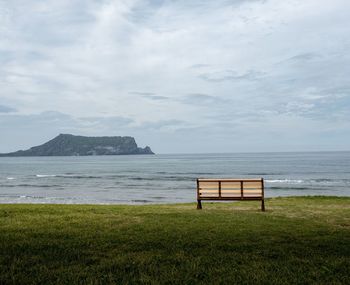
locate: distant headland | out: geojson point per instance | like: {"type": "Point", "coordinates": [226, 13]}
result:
{"type": "Point", "coordinates": [71, 145]}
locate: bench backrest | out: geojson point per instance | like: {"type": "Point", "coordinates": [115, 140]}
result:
{"type": "Point", "coordinates": [230, 189]}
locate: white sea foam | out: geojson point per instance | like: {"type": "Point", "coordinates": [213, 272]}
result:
{"type": "Point", "coordinates": [290, 181]}
{"type": "Point", "coordinates": [10, 178]}
{"type": "Point", "coordinates": [45, 175]}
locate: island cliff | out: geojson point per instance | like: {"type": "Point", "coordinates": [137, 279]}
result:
{"type": "Point", "coordinates": [70, 145]}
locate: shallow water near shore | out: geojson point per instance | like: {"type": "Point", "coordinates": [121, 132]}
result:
{"type": "Point", "coordinates": [139, 179]}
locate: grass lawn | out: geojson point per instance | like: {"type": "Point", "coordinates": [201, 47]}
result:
{"type": "Point", "coordinates": [302, 240]}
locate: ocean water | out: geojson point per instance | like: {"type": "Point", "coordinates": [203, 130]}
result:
{"type": "Point", "coordinates": [139, 179]}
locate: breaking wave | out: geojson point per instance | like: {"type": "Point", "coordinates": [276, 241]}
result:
{"type": "Point", "coordinates": [68, 176]}
{"type": "Point", "coordinates": [290, 181]}
{"type": "Point", "coordinates": [321, 181]}
{"type": "Point", "coordinates": [30, 185]}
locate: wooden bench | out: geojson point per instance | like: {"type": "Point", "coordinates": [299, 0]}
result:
{"type": "Point", "coordinates": [230, 190]}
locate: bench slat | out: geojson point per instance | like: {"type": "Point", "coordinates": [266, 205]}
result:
{"type": "Point", "coordinates": [228, 180]}
{"type": "Point", "coordinates": [230, 184]}
{"type": "Point", "coordinates": [250, 184]}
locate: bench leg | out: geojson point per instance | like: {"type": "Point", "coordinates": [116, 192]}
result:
{"type": "Point", "coordinates": [199, 205]}
{"type": "Point", "coordinates": [263, 205]}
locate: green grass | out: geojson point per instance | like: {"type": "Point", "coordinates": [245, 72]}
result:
{"type": "Point", "coordinates": [296, 241]}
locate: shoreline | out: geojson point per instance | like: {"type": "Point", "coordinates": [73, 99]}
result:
{"type": "Point", "coordinates": [151, 203]}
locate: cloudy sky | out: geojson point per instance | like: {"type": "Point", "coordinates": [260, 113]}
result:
{"type": "Point", "coordinates": [181, 76]}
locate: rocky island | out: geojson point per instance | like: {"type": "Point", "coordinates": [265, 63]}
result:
{"type": "Point", "coordinates": [71, 145]}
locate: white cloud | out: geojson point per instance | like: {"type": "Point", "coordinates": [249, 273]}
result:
{"type": "Point", "coordinates": [178, 68]}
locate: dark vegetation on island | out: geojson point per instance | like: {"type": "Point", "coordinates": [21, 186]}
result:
{"type": "Point", "coordinates": [303, 240]}
{"type": "Point", "coordinates": [70, 145]}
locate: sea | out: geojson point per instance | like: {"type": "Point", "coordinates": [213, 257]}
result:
{"type": "Point", "coordinates": [166, 178]}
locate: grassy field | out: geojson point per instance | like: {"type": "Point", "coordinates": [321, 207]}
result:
{"type": "Point", "coordinates": [296, 241]}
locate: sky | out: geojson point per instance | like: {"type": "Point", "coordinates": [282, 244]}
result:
{"type": "Point", "coordinates": [180, 76]}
